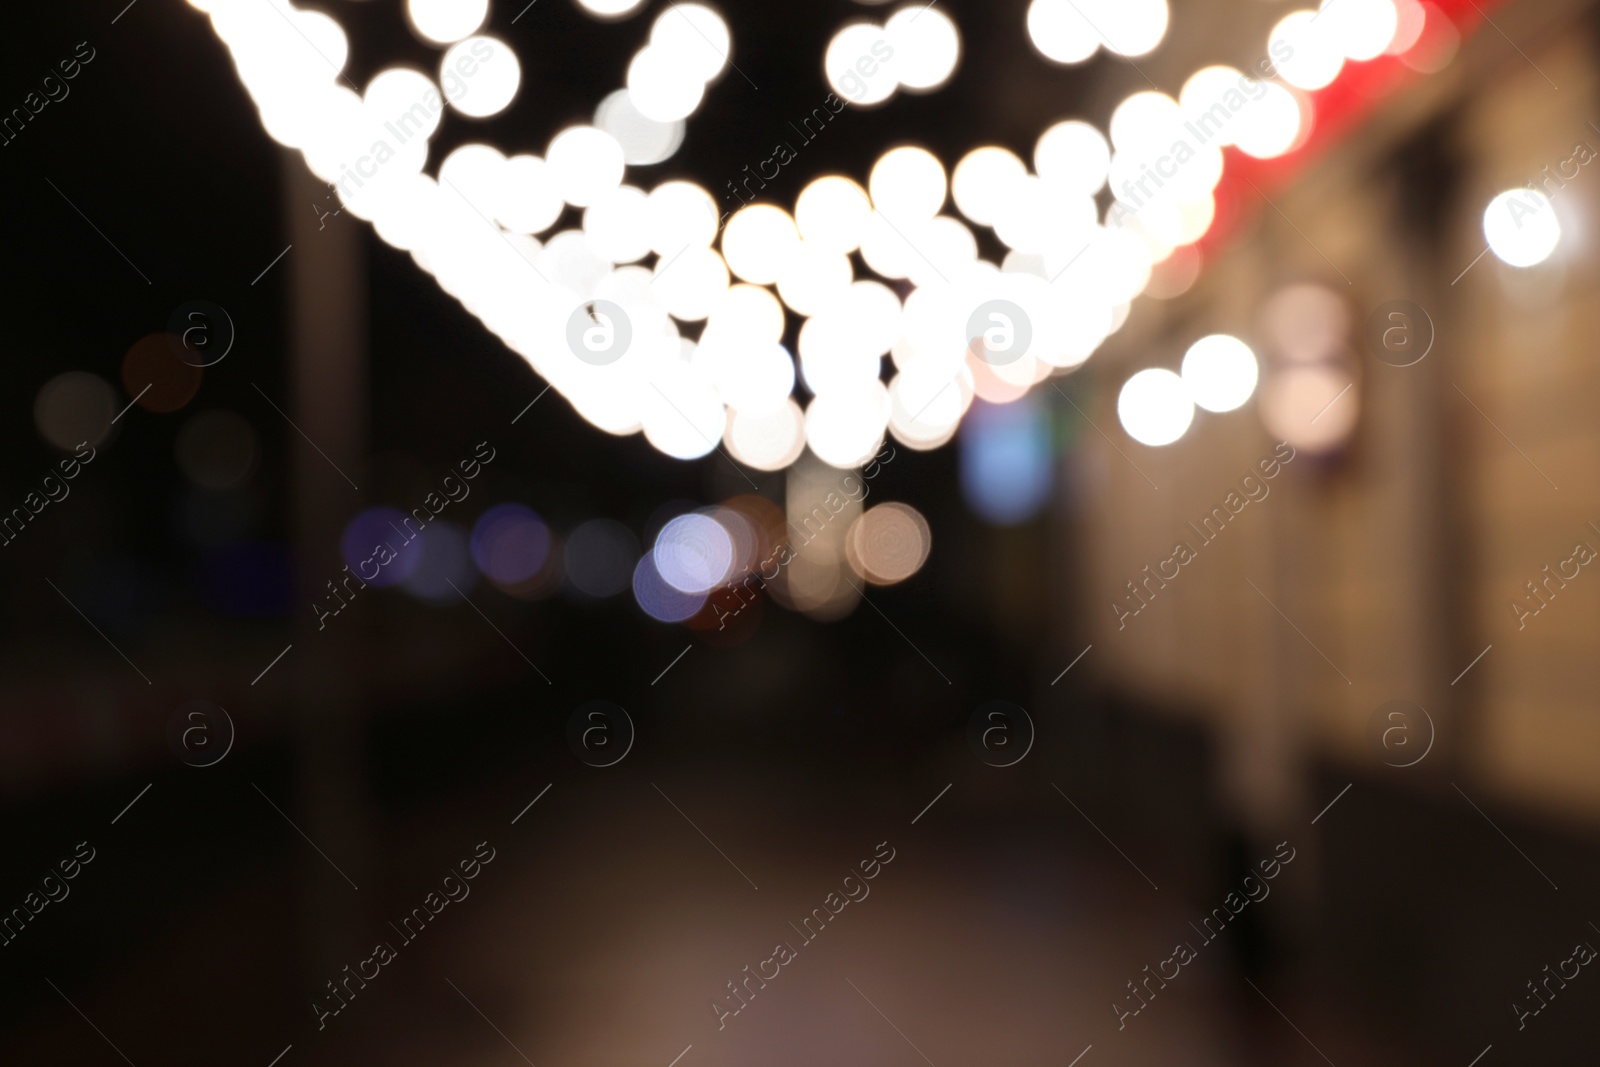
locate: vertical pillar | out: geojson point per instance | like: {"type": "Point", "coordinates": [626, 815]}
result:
{"type": "Point", "coordinates": [326, 304]}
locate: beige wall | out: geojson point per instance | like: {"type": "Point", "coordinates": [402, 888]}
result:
{"type": "Point", "coordinates": [1399, 558]}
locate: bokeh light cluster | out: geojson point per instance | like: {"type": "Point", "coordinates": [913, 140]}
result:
{"type": "Point", "coordinates": [1069, 278]}
{"type": "Point", "coordinates": [697, 560]}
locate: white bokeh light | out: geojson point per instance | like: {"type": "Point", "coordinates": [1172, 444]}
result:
{"type": "Point", "coordinates": [858, 64]}
{"type": "Point", "coordinates": [751, 379]}
{"type": "Point", "coordinates": [1360, 29]}
{"type": "Point", "coordinates": [907, 185]}
{"type": "Point", "coordinates": [614, 223]}
{"type": "Point", "coordinates": [1040, 218]}
{"type": "Point", "coordinates": [1154, 407]}
{"type": "Point", "coordinates": [478, 174]}
{"type": "Point", "coordinates": [695, 36]}
{"type": "Point", "coordinates": [926, 405]}
{"type": "Point", "coordinates": [689, 284]}
{"type": "Point", "coordinates": [1270, 126]}
{"type": "Point", "coordinates": [1205, 101]}
{"type": "Point", "coordinates": [585, 164]}
{"type": "Point", "coordinates": [844, 428]}
{"type": "Point", "coordinates": [610, 9]}
{"type": "Point", "coordinates": [1220, 372]}
{"type": "Point", "coordinates": [769, 441]}
{"type": "Point", "coordinates": [747, 314]}
{"type": "Point", "coordinates": [832, 212]}
{"type": "Point", "coordinates": [1521, 226]}
{"type": "Point", "coordinates": [759, 242]}
{"type": "Point", "coordinates": [1308, 56]}
{"type": "Point", "coordinates": [831, 361]}
{"type": "Point", "coordinates": [1073, 156]}
{"type": "Point", "coordinates": [1059, 31]}
{"type": "Point", "coordinates": [660, 87]}
{"type": "Point", "coordinates": [926, 46]}
{"type": "Point", "coordinates": [814, 278]}
{"type": "Point", "coordinates": [983, 180]}
{"type": "Point", "coordinates": [871, 314]}
{"type": "Point", "coordinates": [644, 140]}
{"type": "Point", "coordinates": [680, 215]}
{"type": "Point", "coordinates": [1147, 119]}
{"type": "Point", "coordinates": [487, 73]}
{"type": "Point", "coordinates": [400, 95]}
{"type": "Point", "coordinates": [1130, 27]}
{"type": "Point", "coordinates": [680, 411]}
{"type": "Point", "coordinates": [447, 21]}
{"type": "Point", "coordinates": [532, 202]}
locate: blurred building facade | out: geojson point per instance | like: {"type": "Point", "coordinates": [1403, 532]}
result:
{"type": "Point", "coordinates": [1388, 553]}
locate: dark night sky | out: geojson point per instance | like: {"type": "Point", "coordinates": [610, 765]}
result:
{"type": "Point", "coordinates": [160, 147]}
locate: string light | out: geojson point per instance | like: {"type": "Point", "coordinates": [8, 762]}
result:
{"type": "Point", "coordinates": [1073, 273]}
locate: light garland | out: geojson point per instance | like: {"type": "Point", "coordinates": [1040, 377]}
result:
{"type": "Point", "coordinates": [1067, 283]}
